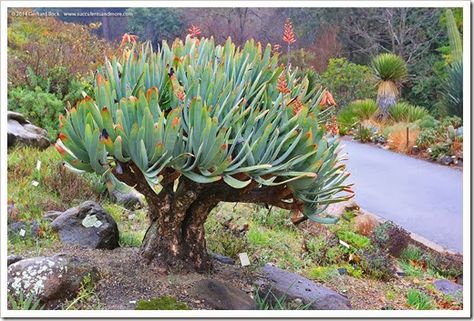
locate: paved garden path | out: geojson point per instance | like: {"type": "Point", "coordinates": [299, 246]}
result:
{"type": "Point", "coordinates": [423, 197]}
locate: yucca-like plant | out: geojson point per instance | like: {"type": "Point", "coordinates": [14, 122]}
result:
{"type": "Point", "coordinates": [404, 112]}
{"type": "Point", "coordinates": [390, 71]}
{"type": "Point", "coordinates": [196, 124]}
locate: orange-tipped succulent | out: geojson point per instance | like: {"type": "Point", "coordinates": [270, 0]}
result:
{"type": "Point", "coordinates": [128, 38]}
{"type": "Point", "coordinates": [59, 148]}
{"type": "Point", "coordinates": [327, 99]}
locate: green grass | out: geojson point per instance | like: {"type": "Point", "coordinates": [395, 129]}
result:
{"type": "Point", "coordinates": [24, 302]}
{"type": "Point", "coordinates": [131, 238]}
{"type": "Point", "coordinates": [419, 300]}
{"type": "Point", "coordinates": [86, 299]}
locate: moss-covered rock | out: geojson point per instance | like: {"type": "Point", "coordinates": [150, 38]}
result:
{"type": "Point", "coordinates": [166, 302]}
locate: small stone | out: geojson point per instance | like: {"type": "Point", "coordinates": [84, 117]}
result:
{"type": "Point", "coordinates": [131, 200]}
{"type": "Point", "coordinates": [342, 271]}
{"type": "Point", "coordinates": [13, 259]}
{"type": "Point", "coordinates": [221, 296]}
{"type": "Point", "coordinates": [298, 301]}
{"type": "Point", "coordinates": [224, 259]}
{"type": "Point", "coordinates": [446, 160]}
{"type": "Point", "coordinates": [51, 215]}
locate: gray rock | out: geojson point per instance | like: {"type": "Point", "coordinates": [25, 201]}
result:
{"type": "Point", "coordinates": [292, 286]}
{"type": "Point", "coordinates": [449, 288]}
{"type": "Point", "coordinates": [13, 259]}
{"type": "Point", "coordinates": [51, 215]}
{"type": "Point", "coordinates": [103, 235]}
{"type": "Point", "coordinates": [16, 227]}
{"type": "Point", "coordinates": [446, 160]}
{"type": "Point", "coordinates": [223, 259]}
{"type": "Point", "coordinates": [131, 200]}
{"type": "Point", "coordinates": [21, 131]}
{"type": "Point", "coordinates": [342, 271]}
{"type": "Point", "coordinates": [31, 228]}
{"type": "Point", "coordinates": [221, 296]}
{"type": "Point", "coordinates": [49, 279]}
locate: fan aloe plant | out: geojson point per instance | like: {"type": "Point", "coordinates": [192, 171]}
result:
{"type": "Point", "coordinates": [195, 124]}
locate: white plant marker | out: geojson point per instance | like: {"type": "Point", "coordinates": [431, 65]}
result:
{"type": "Point", "coordinates": [35, 183]}
{"type": "Point", "coordinates": [38, 165]}
{"type": "Point", "coordinates": [344, 243]}
{"type": "Point", "coordinates": [22, 232]}
{"type": "Point", "coordinates": [244, 259]}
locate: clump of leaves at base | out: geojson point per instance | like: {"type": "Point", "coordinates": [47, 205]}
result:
{"type": "Point", "coordinates": [166, 302]}
{"type": "Point", "coordinates": [419, 300]}
{"type": "Point", "coordinates": [24, 302]}
{"type": "Point", "coordinates": [272, 301]}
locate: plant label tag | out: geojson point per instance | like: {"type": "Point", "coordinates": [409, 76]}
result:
{"type": "Point", "coordinates": [244, 259]}
{"type": "Point", "coordinates": [35, 183]}
{"type": "Point", "coordinates": [38, 165]}
{"type": "Point", "coordinates": [344, 243]}
{"type": "Point", "coordinates": [89, 221]}
{"type": "Point", "coordinates": [97, 224]}
{"type": "Point", "coordinates": [22, 232]}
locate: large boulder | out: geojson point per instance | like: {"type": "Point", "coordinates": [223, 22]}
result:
{"type": "Point", "coordinates": [49, 279]}
{"type": "Point", "coordinates": [294, 287]}
{"type": "Point", "coordinates": [87, 225]}
{"type": "Point", "coordinates": [221, 296]}
{"type": "Point", "coordinates": [21, 131]}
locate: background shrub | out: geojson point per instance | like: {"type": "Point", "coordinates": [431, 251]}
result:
{"type": "Point", "coordinates": [348, 81]}
{"type": "Point", "coordinates": [39, 107]}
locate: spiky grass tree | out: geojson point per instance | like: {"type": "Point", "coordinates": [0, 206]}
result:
{"type": "Point", "coordinates": [390, 71]}
{"type": "Point", "coordinates": [197, 124]}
